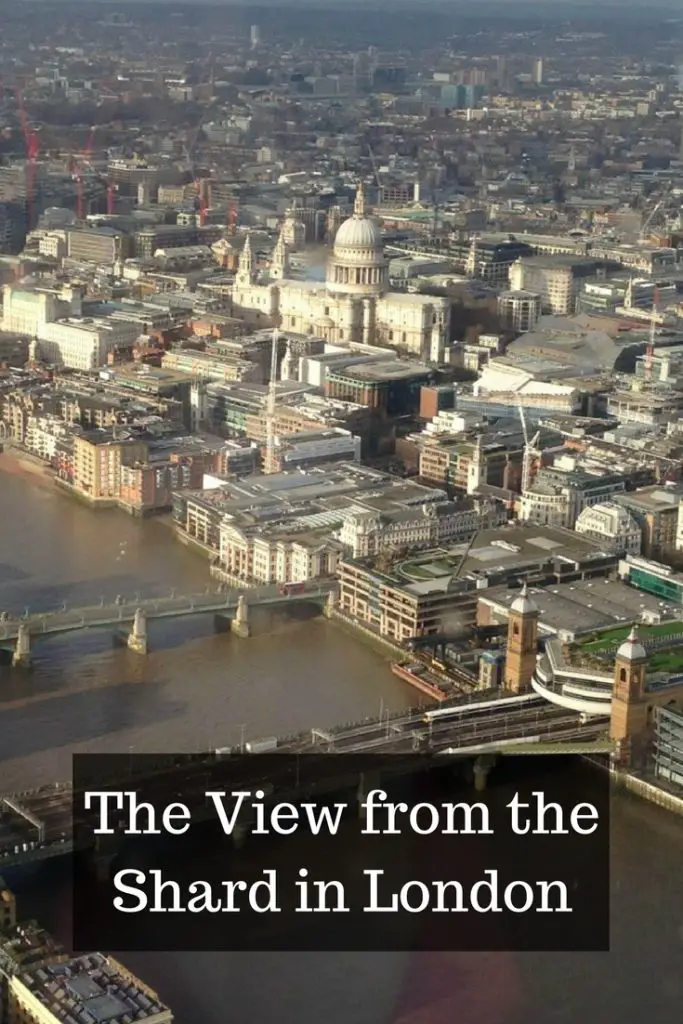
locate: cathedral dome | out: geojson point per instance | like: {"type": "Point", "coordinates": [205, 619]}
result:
{"type": "Point", "coordinates": [358, 233]}
{"type": "Point", "coordinates": [358, 265]}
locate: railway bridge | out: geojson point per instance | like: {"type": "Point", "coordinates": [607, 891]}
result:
{"type": "Point", "coordinates": [37, 824]}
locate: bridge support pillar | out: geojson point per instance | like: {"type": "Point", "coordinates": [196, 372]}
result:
{"type": "Point", "coordinates": [366, 783]}
{"type": "Point", "coordinates": [103, 856]}
{"type": "Point", "coordinates": [221, 623]}
{"type": "Point", "coordinates": [239, 835]}
{"type": "Point", "coordinates": [137, 638]}
{"type": "Point", "coordinates": [482, 767]}
{"type": "Point", "coordinates": [22, 652]}
{"type": "Point", "coordinates": [330, 605]}
{"type": "Point", "coordinates": [240, 624]}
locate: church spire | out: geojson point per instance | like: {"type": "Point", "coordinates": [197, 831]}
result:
{"type": "Point", "coordinates": [279, 267]}
{"type": "Point", "coordinates": [359, 205]}
{"type": "Point", "coordinates": [245, 270]}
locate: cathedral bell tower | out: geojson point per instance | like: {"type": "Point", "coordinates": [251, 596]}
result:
{"type": "Point", "coordinates": [522, 643]}
{"type": "Point", "coordinates": [245, 268]}
{"type": "Point", "coordinates": [630, 720]}
{"type": "Point", "coordinates": [279, 267]}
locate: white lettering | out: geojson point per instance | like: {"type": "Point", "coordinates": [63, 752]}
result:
{"type": "Point", "coordinates": [129, 890]}
{"type": "Point", "coordinates": [373, 906]}
{"type": "Point", "coordinates": [508, 894]}
{"type": "Point", "coordinates": [172, 812]}
{"type": "Point", "coordinates": [228, 822]}
{"type": "Point", "coordinates": [103, 802]}
{"type": "Point", "coordinates": [492, 885]}
{"type": "Point", "coordinates": [537, 827]}
{"type": "Point", "coordinates": [165, 896]}
{"type": "Point", "coordinates": [375, 802]}
{"type": "Point", "coordinates": [584, 811]}
{"type": "Point", "coordinates": [545, 907]}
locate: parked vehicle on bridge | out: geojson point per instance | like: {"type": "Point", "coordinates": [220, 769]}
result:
{"type": "Point", "coordinates": [292, 588]}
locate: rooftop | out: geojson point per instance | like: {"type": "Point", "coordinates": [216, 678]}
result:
{"type": "Point", "coordinates": [390, 369]}
{"type": "Point", "coordinates": [584, 607]}
{"type": "Point", "coordinates": [93, 989]}
{"type": "Point", "coordinates": [652, 499]}
{"type": "Point", "coordinates": [507, 551]}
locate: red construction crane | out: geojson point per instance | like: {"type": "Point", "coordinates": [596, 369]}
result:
{"type": "Point", "coordinates": [80, 164]}
{"type": "Point", "coordinates": [32, 149]}
{"type": "Point", "coordinates": [112, 189]}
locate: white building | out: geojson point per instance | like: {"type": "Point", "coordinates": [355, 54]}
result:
{"type": "Point", "coordinates": [502, 382]}
{"type": "Point", "coordinates": [42, 434]}
{"type": "Point", "coordinates": [551, 506]}
{"type": "Point", "coordinates": [355, 304]}
{"type": "Point", "coordinates": [277, 556]}
{"type": "Point", "coordinates": [368, 532]}
{"type": "Point", "coordinates": [312, 447]}
{"type": "Point", "coordinates": [610, 524]}
{"type": "Point", "coordinates": [83, 343]}
{"type": "Point", "coordinates": [26, 307]}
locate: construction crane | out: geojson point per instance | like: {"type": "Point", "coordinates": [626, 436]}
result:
{"type": "Point", "coordinates": [650, 351]}
{"type": "Point", "coordinates": [32, 149]}
{"type": "Point", "coordinates": [530, 449]}
{"type": "Point", "coordinates": [110, 183]}
{"type": "Point", "coordinates": [435, 223]}
{"type": "Point", "coordinates": [190, 147]}
{"type": "Point", "coordinates": [112, 189]}
{"type": "Point", "coordinates": [459, 567]}
{"type": "Point", "coordinates": [653, 213]}
{"type": "Point", "coordinates": [85, 161]}
{"type": "Point", "coordinates": [203, 205]}
{"type": "Point", "coordinates": [375, 172]}
{"type": "Point", "coordinates": [270, 404]}
{"type": "Point", "coordinates": [232, 216]}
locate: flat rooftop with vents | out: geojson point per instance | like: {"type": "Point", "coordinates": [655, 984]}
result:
{"type": "Point", "coordinates": [91, 989]}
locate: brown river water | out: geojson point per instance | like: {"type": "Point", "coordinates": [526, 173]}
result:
{"type": "Point", "coordinates": [198, 690]}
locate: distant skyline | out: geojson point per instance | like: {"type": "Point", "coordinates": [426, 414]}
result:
{"type": "Point", "coordinates": [510, 6]}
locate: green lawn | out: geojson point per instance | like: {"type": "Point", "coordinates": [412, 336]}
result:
{"type": "Point", "coordinates": [666, 661]}
{"type": "Point", "coordinates": [614, 636]}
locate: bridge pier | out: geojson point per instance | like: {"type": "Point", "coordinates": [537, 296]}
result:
{"type": "Point", "coordinates": [240, 624]}
{"type": "Point", "coordinates": [22, 652]}
{"type": "Point", "coordinates": [103, 856]}
{"type": "Point", "coordinates": [239, 835]}
{"type": "Point", "coordinates": [137, 638]}
{"type": "Point", "coordinates": [330, 605]}
{"type": "Point", "coordinates": [482, 766]}
{"type": "Point", "coordinates": [366, 783]}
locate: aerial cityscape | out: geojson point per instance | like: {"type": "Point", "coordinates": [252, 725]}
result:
{"type": "Point", "coordinates": [341, 410]}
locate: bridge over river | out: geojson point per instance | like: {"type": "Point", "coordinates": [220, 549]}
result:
{"type": "Point", "coordinates": [36, 825]}
{"type": "Point", "coordinates": [121, 611]}
{"type": "Point", "coordinates": [219, 600]}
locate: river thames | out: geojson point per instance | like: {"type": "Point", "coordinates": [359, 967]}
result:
{"type": "Point", "coordinates": [197, 690]}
